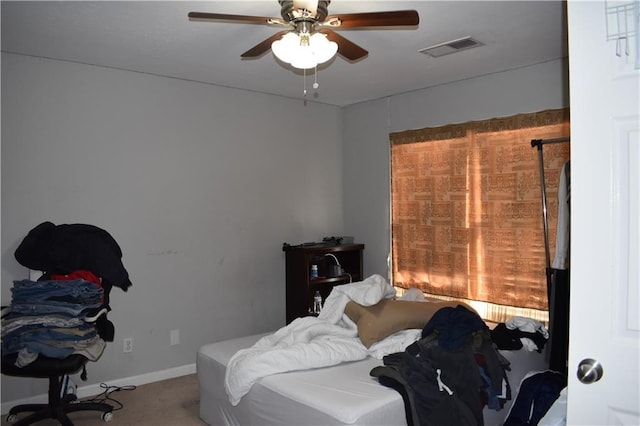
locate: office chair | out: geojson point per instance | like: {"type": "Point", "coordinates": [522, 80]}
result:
{"type": "Point", "coordinates": [59, 404]}
{"type": "Point", "coordinates": [67, 250]}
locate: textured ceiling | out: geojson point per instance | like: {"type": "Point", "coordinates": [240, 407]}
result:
{"type": "Point", "coordinates": [157, 38]}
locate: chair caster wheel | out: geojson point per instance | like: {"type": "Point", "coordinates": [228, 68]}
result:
{"type": "Point", "coordinates": [12, 419]}
{"type": "Point", "coordinates": [106, 417]}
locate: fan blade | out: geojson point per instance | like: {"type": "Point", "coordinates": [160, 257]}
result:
{"type": "Point", "coordinates": [204, 16]}
{"type": "Point", "coordinates": [374, 19]}
{"type": "Point", "coordinates": [346, 48]}
{"type": "Point", "coordinates": [263, 46]}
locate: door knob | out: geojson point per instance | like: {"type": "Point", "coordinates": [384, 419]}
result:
{"type": "Point", "coordinates": [589, 371]}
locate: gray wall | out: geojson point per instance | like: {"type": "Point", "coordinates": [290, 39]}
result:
{"type": "Point", "coordinates": [366, 129]}
{"type": "Point", "coordinates": [200, 185]}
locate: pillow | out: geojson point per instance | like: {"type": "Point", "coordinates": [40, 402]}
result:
{"type": "Point", "coordinates": [390, 316]}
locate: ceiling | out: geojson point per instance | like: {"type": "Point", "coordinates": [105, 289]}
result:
{"type": "Point", "coordinates": [157, 38]}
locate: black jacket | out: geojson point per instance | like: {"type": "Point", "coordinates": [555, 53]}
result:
{"type": "Point", "coordinates": [63, 249]}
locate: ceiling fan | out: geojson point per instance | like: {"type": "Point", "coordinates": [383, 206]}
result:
{"type": "Point", "coordinates": [309, 37]}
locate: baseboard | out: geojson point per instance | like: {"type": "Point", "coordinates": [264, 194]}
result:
{"type": "Point", "coordinates": [95, 389]}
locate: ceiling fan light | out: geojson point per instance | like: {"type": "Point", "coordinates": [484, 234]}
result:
{"type": "Point", "coordinates": [315, 50]}
{"type": "Point", "coordinates": [305, 58]}
{"type": "Point", "coordinates": [285, 49]}
{"type": "Point", "coordinates": [323, 49]}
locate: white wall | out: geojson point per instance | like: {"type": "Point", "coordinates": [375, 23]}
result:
{"type": "Point", "coordinates": [367, 126]}
{"type": "Point", "coordinates": [200, 185]}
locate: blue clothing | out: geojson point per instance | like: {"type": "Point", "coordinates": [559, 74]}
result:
{"type": "Point", "coordinates": [69, 291]}
{"type": "Point", "coordinates": [46, 350]}
{"type": "Point", "coordinates": [70, 297]}
{"type": "Point", "coordinates": [536, 395]}
{"type": "Point", "coordinates": [36, 339]}
{"type": "Point", "coordinates": [45, 309]}
{"type": "Point", "coordinates": [41, 314]}
{"type": "Point", "coordinates": [453, 325]}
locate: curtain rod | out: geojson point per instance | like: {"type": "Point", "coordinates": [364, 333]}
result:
{"type": "Point", "coordinates": [540, 142]}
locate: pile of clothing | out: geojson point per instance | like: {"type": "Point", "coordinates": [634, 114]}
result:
{"type": "Point", "coordinates": [451, 373]}
{"type": "Point", "coordinates": [520, 332]}
{"type": "Point", "coordinates": [64, 311]}
{"type": "Point", "coordinates": [55, 318]}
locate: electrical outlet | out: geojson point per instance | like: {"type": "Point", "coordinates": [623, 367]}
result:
{"type": "Point", "coordinates": [174, 337]}
{"type": "Point", "coordinates": [127, 344]}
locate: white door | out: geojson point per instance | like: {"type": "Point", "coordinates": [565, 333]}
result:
{"type": "Point", "coordinates": [605, 232]}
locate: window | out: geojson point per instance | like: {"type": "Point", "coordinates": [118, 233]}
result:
{"type": "Point", "coordinates": [467, 212]}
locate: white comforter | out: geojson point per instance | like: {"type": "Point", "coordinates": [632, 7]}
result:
{"type": "Point", "coordinates": [310, 342]}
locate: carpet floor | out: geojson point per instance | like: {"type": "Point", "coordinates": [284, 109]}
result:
{"type": "Point", "coordinates": [173, 402]}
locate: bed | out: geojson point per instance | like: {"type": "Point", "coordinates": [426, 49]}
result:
{"type": "Point", "coordinates": [342, 392]}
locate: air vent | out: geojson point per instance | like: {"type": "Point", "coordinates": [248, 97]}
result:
{"type": "Point", "coordinates": [452, 46]}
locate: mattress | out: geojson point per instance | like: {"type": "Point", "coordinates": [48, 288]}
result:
{"type": "Point", "coordinates": [344, 394]}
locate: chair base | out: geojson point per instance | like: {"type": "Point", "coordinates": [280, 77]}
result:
{"type": "Point", "coordinates": [56, 410]}
{"type": "Point", "coordinates": [57, 407]}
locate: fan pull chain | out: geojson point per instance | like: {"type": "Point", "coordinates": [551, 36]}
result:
{"type": "Point", "coordinates": [304, 82]}
{"type": "Point", "coordinates": [315, 78]}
